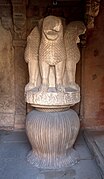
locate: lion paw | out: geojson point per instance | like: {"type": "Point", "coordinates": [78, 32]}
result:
{"type": "Point", "coordinates": [29, 86]}
{"type": "Point", "coordinates": [73, 85]}
{"type": "Point", "coordinates": [43, 88]}
{"type": "Point", "coordinates": [60, 88]}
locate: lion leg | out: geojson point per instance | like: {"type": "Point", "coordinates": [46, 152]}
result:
{"type": "Point", "coordinates": [71, 72]}
{"type": "Point", "coordinates": [33, 68]}
{"type": "Point", "coordinates": [60, 69]}
{"type": "Point", "coordinates": [44, 69]}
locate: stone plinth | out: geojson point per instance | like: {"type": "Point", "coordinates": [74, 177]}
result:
{"type": "Point", "coordinates": [52, 98]}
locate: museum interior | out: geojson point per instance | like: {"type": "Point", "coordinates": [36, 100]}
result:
{"type": "Point", "coordinates": [17, 19]}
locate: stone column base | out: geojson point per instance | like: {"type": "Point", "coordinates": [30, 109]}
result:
{"type": "Point", "coordinates": [55, 162]}
{"type": "Point", "coordinates": [52, 135]}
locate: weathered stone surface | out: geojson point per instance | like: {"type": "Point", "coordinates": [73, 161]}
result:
{"type": "Point", "coordinates": [12, 66]}
{"type": "Point", "coordinates": [52, 136]}
{"type": "Point", "coordinates": [19, 122]}
{"type": "Point", "coordinates": [92, 10]}
{"type": "Point", "coordinates": [7, 120]}
{"type": "Point", "coordinates": [52, 99]}
{"type": "Point", "coordinates": [5, 9]}
{"type": "Point", "coordinates": [52, 56]}
{"type": "Point", "coordinates": [19, 19]}
{"type": "Point", "coordinates": [7, 98]}
{"type": "Point", "coordinates": [13, 164]}
{"type": "Point", "coordinates": [13, 137]}
{"type": "Point", "coordinates": [93, 75]}
{"type": "Point", "coordinates": [95, 141]}
{"type": "Point", "coordinates": [19, 37]}
{"type": "Point", "coordinates": [6, 71]}
{"type": "Point", "coordinates": [56, 54]}
{"type": "Point", "coordinates": [20, 80]}
{"type": "Point", "coordinates": [7, 23]}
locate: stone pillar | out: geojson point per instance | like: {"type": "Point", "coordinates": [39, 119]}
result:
{"type": "Point", "coordinates": [19, 42]}
{"type": "Point", "coordinates": [7, 93]}
{"type": "Point", "coordinates": [52, 127]}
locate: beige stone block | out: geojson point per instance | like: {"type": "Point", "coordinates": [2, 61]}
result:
{"type": "Point", "coordinates": [7, 99]}
{"type": "Point", "coordinates": [7, 120]}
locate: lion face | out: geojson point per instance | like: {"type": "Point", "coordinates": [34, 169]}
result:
{"type": "Point", "coordinates": [51, 27]}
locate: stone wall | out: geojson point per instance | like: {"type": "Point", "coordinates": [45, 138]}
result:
{"type": "Point", "coordinates": [7, 97]}
{"type": "Point", "coordinates": [93, 74]}
{"type": "Point", "coordinates": [19, 42]}
{"type": "Point", "coordinates": [13, 69]}
{"type": "Point", "coordinates": [7, 92]}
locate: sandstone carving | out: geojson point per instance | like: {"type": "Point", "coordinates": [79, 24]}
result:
{"type": "Point", "coordinates": [52, 128]}
{"type": "Point", "coordinates": [71, 38]}
{"type": "Point", "coordinates": [31, 57]}
{"type": "Point", "coordinates": [92, 11]}
{"type": "Point", "coordinates": [52, 134]}
{"type": "Point", "coordinates": [52, 55]}
{"type": "Point", "coordinates": [52, 51]}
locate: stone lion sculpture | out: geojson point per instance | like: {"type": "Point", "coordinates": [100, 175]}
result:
{"type": "Point", "coordinates": [71, 38]}
{"type": "Point", "coordinates": [31, 57]}
{"type": "Point", "coordinates": [50, 47]}
{"type": "Point", "coordinates": [52, 51]}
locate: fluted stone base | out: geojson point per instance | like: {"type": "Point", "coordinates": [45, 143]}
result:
{"type": "Point", "coordinates": [52, 135]}
{"type": "Point", "coordinates": [55, 161]}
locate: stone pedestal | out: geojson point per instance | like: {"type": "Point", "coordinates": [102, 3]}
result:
{"type": "Point", "coordinates": [52, 128]}
{"type": "Point", "coordinates": [52, 135]}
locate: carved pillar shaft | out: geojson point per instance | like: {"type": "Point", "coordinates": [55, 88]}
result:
{"type": "Point", "coordinates": [19, 42]}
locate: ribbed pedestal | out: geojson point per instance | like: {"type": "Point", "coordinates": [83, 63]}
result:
{"type": "Point", "coordinates": [52, 135]}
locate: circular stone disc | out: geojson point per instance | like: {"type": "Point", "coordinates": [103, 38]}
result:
{"type": "Point", "coordinates": [52, 99]}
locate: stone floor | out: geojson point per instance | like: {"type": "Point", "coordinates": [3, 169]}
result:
{"type": "Point", "coordinates": [95, 141]}
{"type": "Point", "coordinates": [14, 147]}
